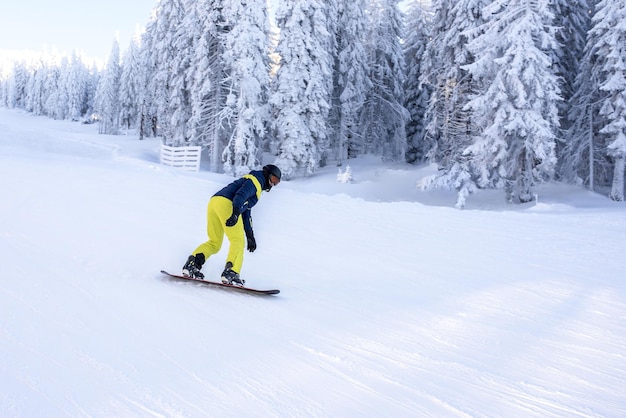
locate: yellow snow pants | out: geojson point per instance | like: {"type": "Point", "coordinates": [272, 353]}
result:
{"type": "Point", "coordinates": [219, 210]}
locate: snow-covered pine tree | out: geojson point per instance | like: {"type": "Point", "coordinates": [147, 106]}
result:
{"type": "Point", "coordinates": [178, 110]}
{"type": "Point", "coordinates": [160, 50]}
{"type": "Point", "coordinates": [107, 101]}
{"type": "Point", "coordinates": [246, 57]}
{"type": "Point", "coordinates": [48, 84]}
{"type": "Point", "coordinates": [17, 85]}
{"type": "Point", "coordinates": [37, 89]}
{"type": "Point", "coordinates": [196, 20]}
{"type": "Point", "coordinates": [302, 88]}
{"type": "Point", "coordinates": [448, 121]}
{"type": "Point", "coordinates": [573, 19]}
{"type": "Point", "coordinates": [350, 79]}
{"type": "Point", "coordinates": [207, 80]}
{"type": "Point", "coordinates": [93, 79]}
{"type": "Point", "coordinates": [417, 29]}
{"type": "Point", "coordinates": [433, 76]}
{"type": "Point", "coordinates": [52, 86]}
{"type": "Point", "coordinates": [148, 121]}
{"type": "Point", "coordinates": [60, 109]}
{"type": "Point", "coordinates": [516, 108]}
{"type": "Point", "coordinates": [5, 73]}
{"type": "Point", "coordinates": [77, 88]}
{"type": "Point", "coordinates": [29, 99]}
{"type": "Point", "coordinates": [609, 33]}
{"type": "Point", "coordinates": [383, 117]}
{"type": "Point", "coordinates": [205, 50]}
{"type": "Point", "coordinates": [581, 158]}
{"type": "Point", "coordinates": [131, 83]}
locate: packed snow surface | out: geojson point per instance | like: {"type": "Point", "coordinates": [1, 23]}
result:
{"type": "Point", "coordinates": [392, 303]}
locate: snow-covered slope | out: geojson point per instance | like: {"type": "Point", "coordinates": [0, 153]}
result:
{"type": "Point", "coordinates": [392, 303]}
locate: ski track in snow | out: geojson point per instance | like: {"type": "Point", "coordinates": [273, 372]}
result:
{"type": "Point", "coordinates": [388, 306]}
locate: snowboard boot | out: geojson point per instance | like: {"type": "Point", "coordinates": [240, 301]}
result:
{"type": "Point", "coordinates": [229, 276]}
{"type": "Point", "coordinates": [193, 265]}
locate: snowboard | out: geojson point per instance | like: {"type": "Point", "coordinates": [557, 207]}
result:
{"type": "Point", "coordinates": [226, 286]}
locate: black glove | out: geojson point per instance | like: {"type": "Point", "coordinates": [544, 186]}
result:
{"type": "Point", "coordinates": [251, 242]}
{"type": "Point", "coordinates": [233, 218]}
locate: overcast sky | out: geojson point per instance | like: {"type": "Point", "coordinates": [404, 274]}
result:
{"type": "Point", "coordinates": [71, 24]}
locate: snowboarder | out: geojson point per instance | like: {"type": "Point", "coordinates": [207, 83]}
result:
{"type": "Point", "coordinates": [223, 217]}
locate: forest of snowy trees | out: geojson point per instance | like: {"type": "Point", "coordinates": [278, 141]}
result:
{"type": "Point", "coordinates": [501, 94]}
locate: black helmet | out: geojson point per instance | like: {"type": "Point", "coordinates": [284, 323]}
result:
{"type": "Point", "coordinates": [271, 170]}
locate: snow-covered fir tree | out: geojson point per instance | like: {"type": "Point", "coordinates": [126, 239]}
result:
{"type": "Point", "coordinates": [178, 110]}
{"type": "Point", "coordinates": [148, 120]}
{"type": "Point", "coordinates": [246, 56]}
{"type": "Point", "coordinates": [417, 29]}
{"type": "Point", "coordinates": [302, 87]}
{"type": "Point", "coordinates": [77, 84]}
{"type": "Point", "coordinates": [5, 75]}
{"type": "Point", "coordinates": [581, 158]}
{"type": "Point", "coordinates": [448, 120]}
{"type": "Point", "coordinates": [350, 79]}
{"type": "Point", "coordinates": [131, 83]}
{"type": "Point", "coordinates": [383, 117]}
{"type": "Point", "coordinates": [573, 19]}
{"type": "Point", "coordinates": [516, 109]}
{"type": "Point", "coordinates": [59, 109]}
{"type": "Point", "coordinates": [17, 89]}
{"type": "Point", "coordinates": [160, 55]}
{"type": "Point", "coordinates": [107, 101]}
{"type": "Point", "coordinates": [49, 84]}
{"type": "Point", "coordinates": [609, 35]}
{"type": "Point", "coordinates": [93, 79]}
{"type": "Point", "coordinates": [37, 92]}
{"type": "Point", "coordinates": [201, 22]}
{"type": "Point", "coordinates": [208, 75]}
{"type": "Point", "coordinates": [53, 83]}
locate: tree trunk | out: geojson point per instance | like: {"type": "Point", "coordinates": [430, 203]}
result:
{"type": "Point", "coordinates": [617, 191]}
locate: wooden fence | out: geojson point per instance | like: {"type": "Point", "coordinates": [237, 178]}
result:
{"type": "Point", "coordinates": [186, 158]}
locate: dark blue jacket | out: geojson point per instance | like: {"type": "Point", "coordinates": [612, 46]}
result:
{"type": "Point", "coordinates": [245, 193]}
